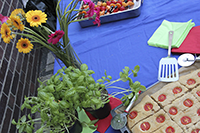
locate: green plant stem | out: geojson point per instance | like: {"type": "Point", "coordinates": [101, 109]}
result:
{"type": "Point", "coordinates": [26, 29]}
{"type": "Point", "coordinates": [110, 83]}
{"type": "Point", "coordinates": [116, 87]}
{"type": "Point", "coordinates": [117, 93]}
{"type": "Point", "coordinates": [66, 128]}
{"type": "Point", "coordinates": [34, 120]}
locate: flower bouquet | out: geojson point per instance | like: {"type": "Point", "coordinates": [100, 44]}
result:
{"type": "Point", "coordinates": [57, 42]}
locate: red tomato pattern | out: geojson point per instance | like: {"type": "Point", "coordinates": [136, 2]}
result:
{"type": "Point", "coordinates": [148, 106]}
{"type": "Point", "coordinates": [173, 111]}
{"type": "Point", "coordinates": [198, 74]}
{"type": "Point", "coordinates": [195, 130]}
{"type": "Point", "coordinates": [191, 81]}
{"type": "Point", "coordinates": [162, 97]}
{"type": "Point", "coordinates": [145, 126]}
{"type": "Point", "coordinates": [133, 114]}
{"type": "Point", "coordinates": [186, 120]}
{"type": "Point", "coordinates": [160, 118]}
{"type": "Point", "coordinates": [198, 112]}
{"type": "Point", "coordinates": [177, 90]}
{"type": "Point", "coordinates": [188, 103]}
{"type": "Point", "coordinates": [170, 129]}
{"type": "Point", "coordinates": [198, 93]}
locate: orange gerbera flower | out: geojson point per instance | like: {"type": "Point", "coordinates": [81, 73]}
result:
{"type": "Point", "coordinates": [36, 18]}
{"type": "Point", "coordinates": [6, 33]}
{"type": "Point", "coordinates": [17, 22]}
{"type": "Point", "coordinates": [24, 45]}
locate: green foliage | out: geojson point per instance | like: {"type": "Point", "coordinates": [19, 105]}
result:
{"type": "Point", "coordinates": [59, 97]}
{"type": "Point", "coordinates": [134, 87]}
{"type": "Point", "coordinates": [71, 89]}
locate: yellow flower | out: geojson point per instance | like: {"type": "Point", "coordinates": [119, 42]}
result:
{"type": "Point", "coordinates": [24, 45]}
{"type": "Point", "coordinates": [17, 22]}
{"type": "Point", "coordinates": [36, 17]}
{"type": "Point", "coordinates": [6, 33]}
{"type": "Point", "coordinates": [18, 12]}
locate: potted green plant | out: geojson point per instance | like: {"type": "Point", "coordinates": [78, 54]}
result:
{"type": "Point", "coordinates": [70, 90]}
{"type": "Point", "coordinates": [92, 95]}
{"type": "Point", "coordinates": [56, 101]}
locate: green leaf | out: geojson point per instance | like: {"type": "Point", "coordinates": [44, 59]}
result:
{"type": "Point", "coordinates": [100, 80]}
{"type": "Point", "coordinates": [84, 67]}
{"type": "Point", "coordinates": [50, 88]}
{"type": "Point", "coordinates": [95, 101]}
{"type": "Point", "coordinates": [124, 98]}
{"type": "Point", "coordinates": [135, 71]}
{"type": "Point", "coordinates": [18, 125]}
{"type": "Point", "coordinates": [130, 95]}
{"type": "Point", "coordinates": [127, 69]}
{"type": "Point", "coordinates": [34, 109]}
{"type": "Point", "coordinates": [64, 104]}
{"type": "Point", "coordinates": [57, 79]}
{"type": "Point", "coordinates": [14, 122]}
{"type": "Point", "coordinates": [69, 83]}
{"type": "Point", "coordinates": [77, 71]}
{"type": "Point", "coordinates": [43, 95]}
{"type": "Point", "coordinates": [60, 70]}
{"type": "Point", "coordinates": [90, 79]}
{"type": "Point", "coordinates": [40, 130]}
{"type": "Point", "coordinates": [23, 119]}
{"type": "Point", "coordinates": [70, 93]}
{"type": "Point", "coordinates": [39, 81]}
{"type": "Point", "coordinates": [44, 116]}
{"type": "Point", "coordinates": [102, 86]}
{"type": "Point", "coordinates": [59, 87]}
{"type": "Point", "coordinates": [28, 129]}
{"type": "Point", "coordinates": [93, 127]}
{"type": "Point", "coordinates": [142, 88]}
{"type": "Point", "coordinates": [137, 68]}
{"type": "Point", "coordinates": [109, 77]}
{"type": "Point", "coordinates": [90, 72]}
{"type": "Point", "coordinates": [135, 85]}
{"type": "Point", "coordinates": [81, 89]}
{"type": "Point", "coordinates": [27, 106]}
{"type": "Point", "coordinates": [124, 78]}
{"type": "Point", "coordinates": [53, 105]}
{"type": "Point", "coordinates": [91, 87]}
{"type": "Point", "coordinates": [29, 116]}
{"type": "Point", "coordinates": [80, 79]}
{"type": "Point", "coordinates": [94, 121]}
{"type": "Point", "coordinates": [23, 106]}
{"type": "Point", "coordinates": [21, 128]}
{"type": "Point", "coordinates": [105, 73]}
{"type": "Point", "coordinates": [126, 103]}
{"type": "Point", "coordinates": [98, 93]}
{"type": "Point", "coordinates": [74, 75]}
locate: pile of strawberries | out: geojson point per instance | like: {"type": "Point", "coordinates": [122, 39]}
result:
{"type": "Point", "coordinates": [110, 6]}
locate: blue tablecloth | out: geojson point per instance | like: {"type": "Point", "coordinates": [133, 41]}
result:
{"type": "Point", "coordinates": [114, 45]}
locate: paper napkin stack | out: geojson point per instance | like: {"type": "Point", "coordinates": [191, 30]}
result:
{"type": "Point", "coordinates": [160, 36]}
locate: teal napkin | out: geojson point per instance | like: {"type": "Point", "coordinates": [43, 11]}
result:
{"type": "Point", "coordinates": [160, 36]}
